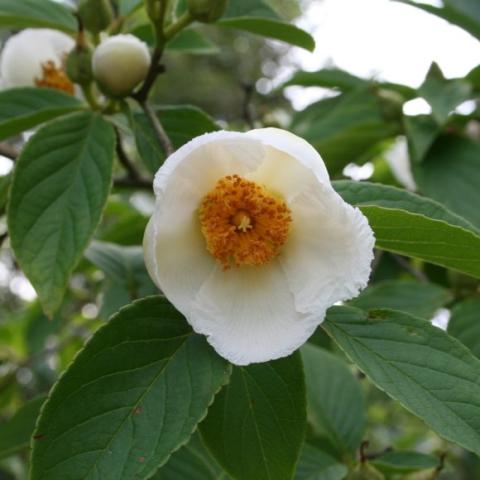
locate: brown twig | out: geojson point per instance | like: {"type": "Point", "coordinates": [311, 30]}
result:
{"type": "Point", "coordinates": [362, 451]}
{"type": "Point", "coordinates": [376, 260]}
{"type": "Point", "coordinates": [406, 265]}
{"type": "Point", "coordinates": [3, 237]}
{"type": "Point", "coordinates": [127, 182]}
{"type": "Point", "coordinates": [441, 465]}
{"type": "Point", "coordinates": [163, 35]}
{"type": "Point", "coordinates": [8, 151]}
{"type": "Point", "coordinates": [155, 69]}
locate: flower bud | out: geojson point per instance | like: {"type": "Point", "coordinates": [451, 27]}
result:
{"type": "Point", "coordinates": [206, 11]}
{"type": "Point", "coordinates": [120, 63]}
{"type": "Point", "coordinates": [79, 65]}
{"type": "Point", "coordinates": [96, 15]}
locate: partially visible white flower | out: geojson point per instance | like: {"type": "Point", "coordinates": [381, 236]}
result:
{"type": "Point", "coordinates": [252, 244]}
{"type": "Point", "coordinates": [120, 63]}
{"type": "Point", "coordinates": [441, 318]}
{"type": "Point", "coordinates": [398, 160]}
{"type": "Point", "coordinates": [35, 57]}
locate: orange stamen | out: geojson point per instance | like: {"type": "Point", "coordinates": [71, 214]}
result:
{"type": "Point", "coordinates": [243, 223]}
{"type": "Point", "coordinates": [53, 77]}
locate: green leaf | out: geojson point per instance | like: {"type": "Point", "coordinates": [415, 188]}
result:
{"type": "Point", "coordinates": [336, 405]}
{"type": "Point", "coordinates": [125, 267]}
{"type": "Point", "coordinates": [464, 13]}
{"type": "Point", "coordinates": [464, 324]}
{"type": "Point", "coordinates": [473, 76]}
{"type": "Point", "coordinates": [191, 462]}
{"type": "Point", "coordinates": [421, 130]}
{"type": "Point", "coordinates": [327, 78]}
{"type": "Point", "coordinates": [186, 41]}
{"type": "Point", "coordinates": [192, 41]}
{"type": "Point", "coordinates": [131, 397]}
{"type": "Point", "coordinates": [443, 95]}
{"type": "Point", "coordinates": [317, 465]}
{"type": "Point", "coordinates": [182, 123]}
{"type": "Point", "coordinates": [256, 425]}
{"type": "Point", "coordinates": [36, 13]}
{"type": "Point", "coordinates": [366, 193]}
{"type": "Point", "coordinates": [405, 462]}
{"type": "Point", "coordinates": [60, 185]}
{"type": "Point", "coordinates": [125, 7]}
{"type": "Point", "coordinates": [344, 128]}
{"type": "Point", "coordinates": [5, 181]}
{"type": "Point", "coordinates": [122, 223]}
{"type": "Point", "coordinates": [450, 174]}
{"type": "Point", "coordinates": [121, 264]}
{"type": "Point", "coordinates": [402, 224]}
{"type": "Point", "coordinates": [250, 8]}
{"type": "Point", "coordinates": [420, 237]}
{"type": "Point", "coordinates": [24, 108]}
{"type": "Point", "coordinates": [430, 373]}
{"type": "Point", "coordinates": [410, 296]}
{"type": "Point", "coordinates": [344, 81]}
{"type": "Point", "coordinates": [270, 28]}
{"type": "Point", "coordinates": [15, 433]}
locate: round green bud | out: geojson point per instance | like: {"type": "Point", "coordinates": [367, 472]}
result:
{"type": "Point", "coordinates": [96, 15]}
{"type": "Point", "coordinates": [206, 11]}
{"type": "Point", "coordinates": [120, 63]}
{"type": "Point", "coordinates": [79, 65]}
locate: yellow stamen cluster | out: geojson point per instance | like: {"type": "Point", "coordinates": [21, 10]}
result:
{"type": "Point", "coordinates": [242, 223]}
{"type": "Point", "coordinates": [53, 77]}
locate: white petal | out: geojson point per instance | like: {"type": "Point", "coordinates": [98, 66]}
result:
{"type": "Point", "coordinates": [24, 53]}
{"type": "Point", "coordinates": [207, 158]}
{"type": "Point", "coordinates": [249, 316]}
{"type": "Point", "coordinates": [60, 42]}
{"type": "Point", "coordinates": [175, 255]}
{"type": "Point", "coordinates": [327, 257]}
{"type": "Point", "coordinates": [296, 147]}
{"type": "Point", "coordinates": [398, 160]}
{"type": "Point", "coordinates": [283, 174]}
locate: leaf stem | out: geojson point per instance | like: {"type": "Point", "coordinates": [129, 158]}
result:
{"type": "Point", "coordinates": [124, 160]}
{"type": "Point", "coordinates": [160, 132]}
{"type": "Point", "coordinates": [90, 97]}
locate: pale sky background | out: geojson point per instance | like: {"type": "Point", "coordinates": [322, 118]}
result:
{"type": "Point", "coordinates": [382, 39]}
{"type": "Point", "coordinates": [370, 38]}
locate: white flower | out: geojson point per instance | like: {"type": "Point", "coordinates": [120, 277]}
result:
{"type": "Point", "coordinates": [120, 63]}
{"type": "Point", "coordinates": [35, 57]}
{"type": "Point", "coordinates": [251, 243]}
{"type": "Point", "coordinates": [398, 160]}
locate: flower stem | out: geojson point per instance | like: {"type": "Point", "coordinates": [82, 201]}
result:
{"type": "Point", "coordinates": [90, 97]}
{"type": "Point", "coordinates": [183, 21]}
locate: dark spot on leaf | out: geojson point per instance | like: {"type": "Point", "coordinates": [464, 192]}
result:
{"type": "Point", "coordinates": [141, 459]}
{"type": "Point", "coordinates": [377, 315]}
{"type": "Point", "coordinates": [137, 410]}
{"type": "Point", "coordinates": [39, 436]}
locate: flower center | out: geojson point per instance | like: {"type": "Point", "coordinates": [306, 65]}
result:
{"type": "Point", "coordinates": [53, 77]}
{"type": "Point", "coordinates": [243, 223]}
